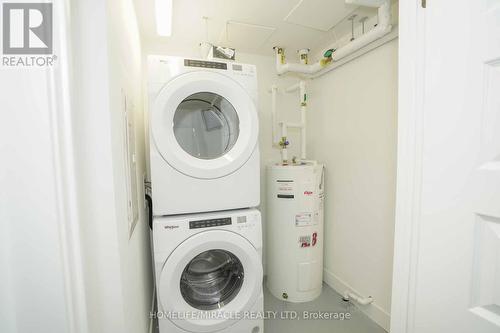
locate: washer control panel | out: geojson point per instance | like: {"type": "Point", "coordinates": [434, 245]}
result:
{"type": "Point", "coordinates": [210, 223]}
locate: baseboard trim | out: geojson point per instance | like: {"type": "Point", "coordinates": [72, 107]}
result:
{"type": "Point", "coordinates": [373, 311]}
{"type": "Point", "coordinates": [151, 319]}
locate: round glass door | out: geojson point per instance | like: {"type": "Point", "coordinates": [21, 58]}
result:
{"type": "Point", "coordinates": [214, 271]}
{"type": "Point", "coordinates": [212, 279]}
{"type": "Point", "coordinates": [206, 125]}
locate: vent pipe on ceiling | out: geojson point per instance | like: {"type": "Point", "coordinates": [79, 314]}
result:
{"type": "Point", "coordinates": [383, 28]}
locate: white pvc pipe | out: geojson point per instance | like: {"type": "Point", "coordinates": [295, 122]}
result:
{"type": "Point", "coordinates": [350, 296]}
{"type": "Point", "coordinates": [297, 68]}
{"type": "Point", "coordinates": [294, 125]}
{"type": "Point", "coordinates": [284, 155]}
{"type": "Point", "coordinates": [387, 38]}
{"type": "Point", "coordinates": [284, 151]}
{"type": "Point", "coordinates": [303, 56]}
{"type": "Point", "coordinates": [274, 90]}
{"type": "Point", "coordinates": [303, 100]}
{"type": "Point", "coordinates": [283, 68]}
{"type": "Point", "coordinates": [362, 41]}
{"type": "Point", "coordinates": [383, 28]}
{"type": "Point", "coordinates": [366, 3]}
{"type": "Point", "coordinates": [301, 86]}
{"type": "Point", "coordinates": [292, 88]}
{"type": "Point", "coordinates": [284, 129]}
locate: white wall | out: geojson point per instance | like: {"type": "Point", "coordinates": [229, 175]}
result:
{"type": "Point", "coordinates": [126, 78]}
{"type": "Point", "coordinates": [353, 121]}
{"type": "Point", "coordinates": [32, 270]}
{"type": "Point", "coordinates": [39, 255]}
{"type": "Point", "coordinates": [39, 272]}
{"type": "Point", "coordinates": [107, 66]}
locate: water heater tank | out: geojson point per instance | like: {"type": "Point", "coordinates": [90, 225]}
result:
{"type": "Point", "coordinates": [295, 200]}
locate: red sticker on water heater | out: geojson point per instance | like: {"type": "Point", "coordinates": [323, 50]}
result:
{"type": "Point", "coordinates": [305, 241]}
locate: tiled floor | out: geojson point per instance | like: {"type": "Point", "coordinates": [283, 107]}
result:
{"type": "Point", "coordinates": [329, 302]}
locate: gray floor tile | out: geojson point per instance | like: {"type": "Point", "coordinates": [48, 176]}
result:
{"type": "Point", "coordinates": [329, 301]}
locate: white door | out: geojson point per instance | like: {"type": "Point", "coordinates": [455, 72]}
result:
{"type": "Point", "coordinates": [216, 274]}
{"type": "Point", "coordinates": [204, 124]}
{"type": "Point", "coordinates": [447, 254]}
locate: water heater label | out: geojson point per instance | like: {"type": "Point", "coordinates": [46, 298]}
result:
{"type": "Point", "coordinates": [303, 219]}
{"type": "Point", "coordinates": [285, 188]}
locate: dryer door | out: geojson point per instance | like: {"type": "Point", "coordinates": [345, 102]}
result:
{"type": "Point", "coordinates": [204, 124]}
{"type": "Point", "coordinates": [210, 281]}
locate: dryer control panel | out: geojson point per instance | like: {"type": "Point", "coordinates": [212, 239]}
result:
{"type": "Point", "coordinates": [205, 64]}
{"type": "Point", "coordinates": [209, 223]}
{"type": "Point", "coordinates": [232, 68]}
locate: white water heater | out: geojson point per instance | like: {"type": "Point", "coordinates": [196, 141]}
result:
{"type": "Point", "coordinates": [295, 200]}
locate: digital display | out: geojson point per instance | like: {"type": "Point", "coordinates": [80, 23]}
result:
{"type": "Point", "coordinates": [209, 223]}
{"type": "Point", "coordinates": [237, 67]}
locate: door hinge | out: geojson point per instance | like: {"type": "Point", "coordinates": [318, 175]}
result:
{"type": "Point", "coordinates": [424, 3]}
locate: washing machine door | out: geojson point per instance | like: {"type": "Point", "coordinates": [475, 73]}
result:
{"type": "Point", "coordinates": [204, 124]}
{"type": "Point", "coordinates": [210, 281]}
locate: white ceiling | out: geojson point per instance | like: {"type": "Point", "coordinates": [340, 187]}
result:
{"type": "Point", "coordinates": [250, 26]}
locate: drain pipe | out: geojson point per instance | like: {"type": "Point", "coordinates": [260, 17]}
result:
{"type": "Point", "coordinates": [301, 86]}
{"type": "Point", "coordinates": [278, 142]}
{"type": "Point", "coordinates": [275, 140]}
{"type": "Point", "coordinates": [282, 67]}
{"type": "Point", "coordinates": [383, 28]}
{"type": "Point", "coordinates": [350, 296]}
{"type": "Point", "coordinates": [282, 142]}
{"type": "Point", "coordinates": [303, 107]}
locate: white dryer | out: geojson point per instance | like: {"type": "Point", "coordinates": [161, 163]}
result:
{"type": "Point", "coordinates": [204, 127]}
{"type": "Point", "coordinates": [208, 270]}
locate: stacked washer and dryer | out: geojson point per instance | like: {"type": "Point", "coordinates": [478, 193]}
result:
{"type": "Point", "coordinates": [205, 179]}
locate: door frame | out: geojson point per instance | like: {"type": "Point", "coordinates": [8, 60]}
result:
{"type": "Point", "coordinates": [409, 164]}
{"type": "Point", "coordinates": [59, 88]}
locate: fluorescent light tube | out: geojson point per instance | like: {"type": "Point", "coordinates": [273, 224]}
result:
{"type": "Point", "coordinates": [164, 17]}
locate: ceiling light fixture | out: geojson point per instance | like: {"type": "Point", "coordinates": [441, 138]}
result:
{"type": "Point", "coordinates": [163, 17]}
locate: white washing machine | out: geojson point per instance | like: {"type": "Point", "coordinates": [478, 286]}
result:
{"type": "Point", "coordinates": [208, 270]}
{"type": "Point", "coordinates": [204, 127]}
